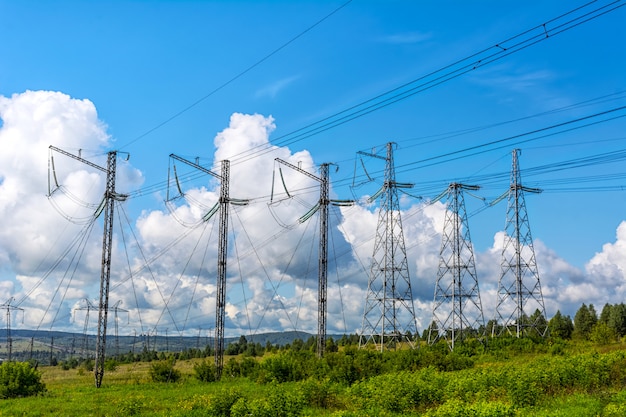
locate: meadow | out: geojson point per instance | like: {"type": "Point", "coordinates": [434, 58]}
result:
{"type": "Point", "coordinates": [507, 377]}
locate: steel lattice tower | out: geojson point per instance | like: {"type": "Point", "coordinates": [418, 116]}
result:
{"type": "Point", "coordinates": [110, 197]}
{"type": "Point", "coordinates": [222, 253]}
{"type": "Point", "coordinates": [519, 288]}
{"type": "Point", "coordinates": [105, 277]}
{"type": "Point", "coordinates": [389, 315]}
{"type": "Point", "coordinates": [321, 206]}
{"type": "Point", "coordinates": [85, 342]}
{"type": "Point", "coordinates": [9, 307]}
{"type": "Point", "coordinates": [457, 310]}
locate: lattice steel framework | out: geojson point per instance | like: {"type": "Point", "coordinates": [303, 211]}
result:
{"type": "Point", "coordinates": [116, 309]}
{"type": "Point", "coordinates": [457, 309]}
{"type": "Point", "coordinates": [321, 206]}
{"type": "Point", "coordinates": [85, 342]}
{"type": "Point", "coordinates": [222, 253]}
{"type": "Point", "coordinates": [105, 276]}
{"type": "Point", "coordinates": [108, 206]}
{"type": "Point", "coordinates": [519, 288]}
{"type": "Point", "coordinates": [9, 307]}
{"type": "Point", "coordinates": [322, 282]}
{"type": "Point", "coordinates": [389, 314]}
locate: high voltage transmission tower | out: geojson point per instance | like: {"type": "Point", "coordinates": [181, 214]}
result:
{"type": "Point", "coordinates": [9, 307]}
{"type": "Point", "coordinates": [457, 309]}
{"type": "Point", "coordinates": [222, 252]}
{"type": "Point", "coordinates": [322, 206]}
{"type": "Point", "coordinates": [519, 288]}
{"type": "Point", "coordinates": [87, 308]}
{"type": "Point", "coordinates": [116, 308]}
{"type": "Point", "coordinates": [389, 314]}
{"type": "Point", "coordinates": [110, 197]}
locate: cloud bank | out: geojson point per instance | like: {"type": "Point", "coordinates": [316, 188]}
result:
{"type": "Point", "coordinates": [165, 261]}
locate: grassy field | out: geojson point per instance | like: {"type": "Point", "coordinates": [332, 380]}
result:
{"type": "Point", "coordinates": [577, 380]}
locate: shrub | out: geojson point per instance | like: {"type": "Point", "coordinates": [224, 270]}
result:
{"type": "Point", "coordinates": [205, 371]}
{"type": "Point", "coordinates": [163, 371]}
{"type": "Point", "coordinates": [220, 405]}
{"type": "Point", "coordinates": [19, 379]}
{"type": "Point", "coordinates": [280, 401]}
{"type": "Point", "coordinates": [110, 365]}
{"type": "Point", "coordinates": [457, 408]}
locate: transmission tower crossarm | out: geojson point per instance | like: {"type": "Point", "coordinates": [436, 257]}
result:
{"type": "Point", "coordinates": [197, 166]}
{"type": "Point", "coordinates": [78, 158]}
{"type": "Point", "coordinates": [529, 189]}
{"type": "Point", "coordinates": [297, 168]}
{"type": "Point", "coordinates": [465, 186]}
{"type": "Point", "coordinates": [384, 158]}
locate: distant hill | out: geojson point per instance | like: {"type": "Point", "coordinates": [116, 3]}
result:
{"type": "Point", "coordinates": [62, 344]}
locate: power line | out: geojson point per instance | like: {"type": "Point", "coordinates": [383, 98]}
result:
{"type": "Point", "coordinates": [239, 75]}
{"type": "Point", "coordinates": [449, 72]}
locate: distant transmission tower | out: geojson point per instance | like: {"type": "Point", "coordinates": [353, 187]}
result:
{"type": "Point", "coordinates": [116, 308]}
{"type": "Point", "coordinates": [457, 310]}
{"type": "Point", "coordinates": [389, 315]}
{"type": "Point", "coordinates": [222, 252]}
{"type": "Point", "coordinates": [9, 307]}
{"type": "Point", "coordinates": [519, 288]}
{"type": "Point", "coordinates": [85, 344]}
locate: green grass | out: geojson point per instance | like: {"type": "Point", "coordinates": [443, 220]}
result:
{"type": "Point", "coordinates": [580, 380]}
{"type": "Point", "coordinates": [124, 392]}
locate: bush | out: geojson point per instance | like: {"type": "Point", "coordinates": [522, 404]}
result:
{"type": "Point", "coordinates": [457, 408]}
{"type": "Point", "coordinates": [163, 371]}
{"type": "Point", "coordinates": [110, 365]}
{"type": "Point", "coordinates": [220, 405]}
{"type": "Point", "coordinates": [205, 371]}
{"type": "Point", "coordinates": [281, 401]}
{"type": "Point", "coordinates": [19, 379]}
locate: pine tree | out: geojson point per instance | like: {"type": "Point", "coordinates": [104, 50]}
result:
{"type": "Point", "coordinates": [617, 319]}
{"type": "Point", "coordinates": [561, 326]}
{"type": "Point", "coordinates": [584, 320]}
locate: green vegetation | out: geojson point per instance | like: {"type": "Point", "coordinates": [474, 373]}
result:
{"type": "Point", "coordinates": [19, 379]}
{"type": "Point", "coordinates": [580, 370]}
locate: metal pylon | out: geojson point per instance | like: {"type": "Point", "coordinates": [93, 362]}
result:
{"type": "Point", "coordinates": [457, 309]}
{"type": "Point", "coordinates": [322, 282]}
{"type": "Point", "coordinates": [116, 308]}
{"type": "Point", "coordinates": [110, 197]}
{"type": "Point", "coordinates": [8, 306]}
{"type": "Point", "coordinates": [519, 288]}
{"type": "Point", "coordinates": [389, 315]}
{"type": "Point", "coordinates": [85, 342]}
{"type": "Point", "coordinates": [108, 206]}
{"type": "Point", "coordinates": [222, 252]}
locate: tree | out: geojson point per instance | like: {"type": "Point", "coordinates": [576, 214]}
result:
{"type": "Point", "coordinates": [331, 346]}
{"type": "Point", "coordinates": [617, 319]}
{"type": "Point", "coordinates": [605, 314]}
{"type": "Point", "coordinates": [602, 334]}
{"type": "Point", "coordinates": [538, 320]}
{"type": "Point", "coordinates": [561, 326]}
{"type": "Point", "coordinates": [584, 320]}
{"type": "Point", "coordinates": [243, 343]}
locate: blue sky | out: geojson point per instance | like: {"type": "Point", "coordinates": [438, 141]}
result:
{"type": "Point", "coordinates": [157, 77]}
